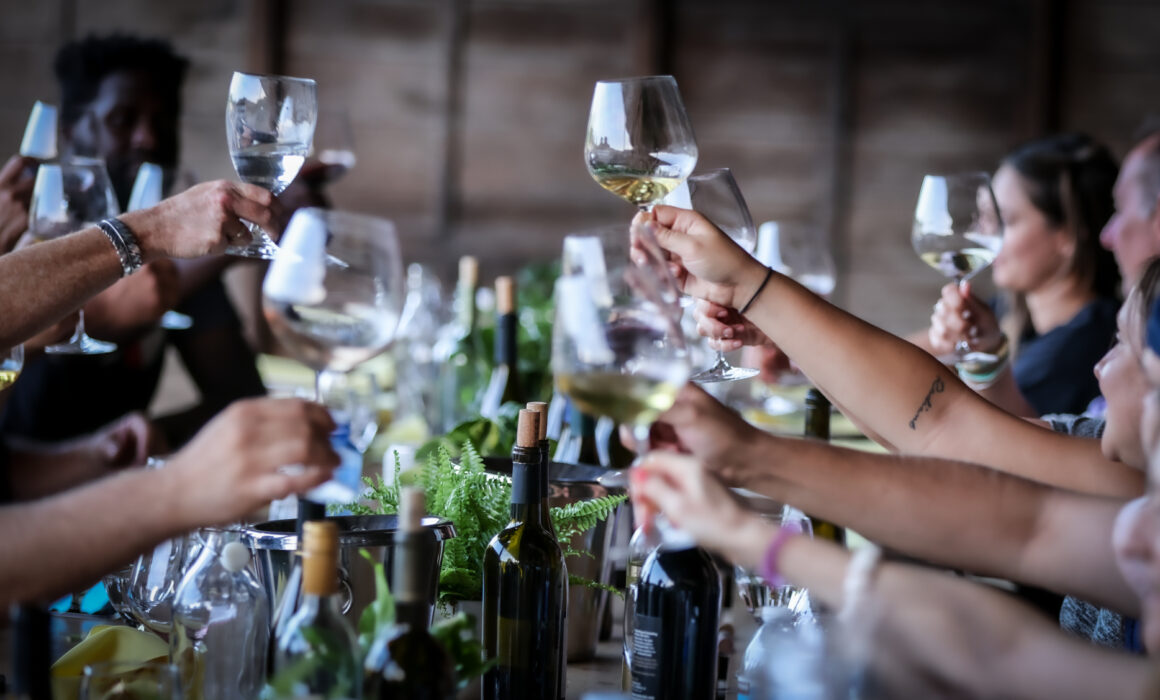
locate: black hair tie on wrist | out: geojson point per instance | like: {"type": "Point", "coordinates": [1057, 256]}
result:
{"type": "Point", "coordinates": [768, 274]}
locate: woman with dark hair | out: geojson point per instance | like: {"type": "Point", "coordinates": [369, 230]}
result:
{"type": "Point", "coordinates": [1057, 314]}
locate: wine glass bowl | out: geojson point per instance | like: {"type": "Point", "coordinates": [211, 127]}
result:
{"type": "Point", "coordinates": [270, 123]}
{"type": "Point", "coordinates": [66, 197]}
{"type": "Point", "coordinates": [640, 143]}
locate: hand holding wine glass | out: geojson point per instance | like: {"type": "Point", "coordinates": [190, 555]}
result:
{"type": "Point", "coordinates": [640, 144]}
{"type": "Point", "coordinates": [270, 123]}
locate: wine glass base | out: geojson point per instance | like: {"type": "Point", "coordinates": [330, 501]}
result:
{"type": "Point", "coordinates": [724, 374]}
{"type": "Point", "coordinates": [256, 250]}
{"type": "Point", "coordinates": [82, 346]}
{"type": "Point", "coordinates": [175, 321]}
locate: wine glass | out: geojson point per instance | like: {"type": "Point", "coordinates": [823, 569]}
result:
{"type": "Point", "coordinates": [39, 140]}
{"type": "Point", "coordinates": [333, 296]}
{"type": "Point", "coordinates": [799, 252]}
{"type": "Point", "coordinates": [334, 143]}
{"type": "Point", "coordinates": [957, 228]}
{"type": "Point", "coordinates": [147, 191]}
{"type": "Point", "coordinates": [130, 680]}
{"type": "Point", "coordinates": [269, 128]}
{"type": "Point", "coordinates": [11, 363]}
{"type": "Point", "coordinates": [640, 144]}
{"type": "Point", "coordinates": [755, 592]}
{"type": "Point", "coordinates": [66, 197]}
{"type": "Point", "coordinates": [715, 194]}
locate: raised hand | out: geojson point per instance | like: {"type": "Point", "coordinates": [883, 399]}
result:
{"type": "Point", "coordinates": [960, 315]}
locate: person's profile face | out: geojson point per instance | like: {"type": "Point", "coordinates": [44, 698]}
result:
{"type": "Point", "coordinates": [1132, 234]}
{"type": "Point", "coordinates": [128, 123]}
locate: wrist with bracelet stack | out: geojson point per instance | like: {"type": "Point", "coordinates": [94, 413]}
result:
{"type": "Point", "coordinates": [981, 374]}
{"type": "Point", "coordinates": [125, 243]}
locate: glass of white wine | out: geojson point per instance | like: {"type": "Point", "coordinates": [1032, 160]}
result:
{"type": "Point", "coordinates": [957, 227]}
{"type": "Point", "coordinates": [11, 363]}
{"type": "Point", "coordinates": [270, 123]}
{"type": "Point", "coordinates": [67, 196]}
{"type": "Point", "coordinates": [334, 294]}
{"type": "Point", "coordinates": [716, 195]}
{"type": "Point", "coordinates": [640, 144]}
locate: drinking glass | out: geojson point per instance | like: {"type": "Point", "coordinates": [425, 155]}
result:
{"type": "Point", "coordinates": [640, 144]}
{"type": "Point", "coordinates": [334, 293]}
{"type": "Point", "coordinates": [716, 195]}
{"type": "Point", "coordinates": [39, 140]}
{"type": "Point", "coordinates": [11, 363]}
{"type": "Point", "coordinates": [130, 680]}
{"type": "Point", "coordinates": [957, 228]}
{"type": "Point", "coordinates": [148, 595]}
{"type": "Point", "coordinates": [66, 197]}
{"type": "Point", "coordinates": [269, 128]}
{"type": "Point", "coordinates": [334, 143]}
{"type": "Point", "coordinates": [756, 593]}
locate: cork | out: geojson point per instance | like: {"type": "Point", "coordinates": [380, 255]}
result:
{"type": "Point", "coordinates": [319, 558]}
{"type": "Point", "coordinates": [528, 432]}
{"type": "Point", "coordinates": [505, 295]}
{"type": "Point", "coordinates": [469, 270]}
{"type": "Point", "coordinates": [412, 508]}
{"type": "Point", "coordinates": [541, 408]}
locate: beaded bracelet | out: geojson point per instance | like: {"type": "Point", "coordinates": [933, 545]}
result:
{"type": "Point", "coordinates": [769, 569]}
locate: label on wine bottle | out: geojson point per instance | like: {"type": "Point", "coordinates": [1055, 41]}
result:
{"type": "Point", "coordinates": [646, 679]}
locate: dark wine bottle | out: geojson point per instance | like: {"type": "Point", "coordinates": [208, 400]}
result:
{"type": "Point", "coordinates": [405, 662]}
{"type": "Point", "coordinates": [31, 654]}
{"type": "Point", "coordinates": [818, 428]}
{"type": "Point", "coordinates": [504, 385]}
{"type": "Point", "coordinates": [676, 613]}
{"type": "Point", "coordinates": [525, 588]}
{"type": "Point", "coordinates": [541, 409]}
{"type": "Point", "coordinates": [578, 440]}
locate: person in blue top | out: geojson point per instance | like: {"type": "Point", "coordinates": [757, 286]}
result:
{"type": "Point", "coordinates": [1057, 314]}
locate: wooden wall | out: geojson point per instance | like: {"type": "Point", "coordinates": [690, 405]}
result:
{"type": "Point", "coordinates": [468, 115]}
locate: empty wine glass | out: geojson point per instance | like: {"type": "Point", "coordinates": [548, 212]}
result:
{"type": "Point", "coordinates": [640, 144]}
{"type": "Point", "coordinates": [39, 140]}
{"type": "Point", "coordinates": [957, 228]}
{"type": "Point", "coordinates": [334, 143]}
{"type": "Point", "coordinates": [130, 680]}
{"type": "Point", "coordinates": [147, 191]}
{"type": "Point", "coordinates": [66, 197]}
{"type": "Point", "coordinates": [334, 294]}
{"type": "Point", "coordinates": [755, 592]}
{"type": "Point", "coordinates": [269, 128]}
{"type": "Point", "coordinates": [716, 195]}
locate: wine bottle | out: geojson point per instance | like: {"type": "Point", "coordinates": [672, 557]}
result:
{"type": "Point", "coordinates": [31, 654]}
{"type": "Point", "coordinates": [675, 620]}
{"type": "Point", "coordinates": [405, 662]}
{"type": "Point", "coordinates": [286, 604]}
{"type": "Point", "coordinates": [504, 385]}
{"type": "Point", "coordinates": [459, 351]}
{"type": "Point", "coordinates": [578, 440]}
{"type": "Point", "coordinates": [525, 588]}
{"type": "Point", "coordinates": [818, 428]}
{"type": "Point", "coordinates": [541, 409]}
{"type": "Point", "coordinates": [317, 652]}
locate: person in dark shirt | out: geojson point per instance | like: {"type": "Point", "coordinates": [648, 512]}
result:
{"type": "Point", "coordinates": [121, 101]}
{"type": "Point", "coordinates": [1057, 315]}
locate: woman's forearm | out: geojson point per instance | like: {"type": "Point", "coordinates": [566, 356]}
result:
{"type": "Point", "coordinates": [917, 405]}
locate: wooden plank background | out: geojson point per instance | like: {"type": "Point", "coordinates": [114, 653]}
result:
{"type": "Point", "coordinates": [468, 115]}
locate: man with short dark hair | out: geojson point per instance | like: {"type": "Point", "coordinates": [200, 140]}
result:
{"type": "Point", "coordinates": [121, 101]}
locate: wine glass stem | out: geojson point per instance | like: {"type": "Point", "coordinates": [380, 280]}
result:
{"type": "Point", "coordinates": [80, 330]}
{"type": "Point", "coordinates": [640, 435]}
{"type": "Point", "coordinates": [318, 386]}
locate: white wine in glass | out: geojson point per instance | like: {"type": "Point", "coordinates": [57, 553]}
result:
{"type": "Point", "coordinates": [957, 227]}
{"type": "Point", "coordinates": [270, 123]}
{"type": "Point", "coordinates": [640, 144]}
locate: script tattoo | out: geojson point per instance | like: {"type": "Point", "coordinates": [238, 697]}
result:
{"type": "Point", "coordinates": [936, 387]}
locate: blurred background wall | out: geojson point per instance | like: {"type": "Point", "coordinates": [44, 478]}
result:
{"type": "Point", "coordinates": [468, 115]}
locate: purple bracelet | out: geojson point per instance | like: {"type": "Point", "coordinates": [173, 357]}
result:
{"type": "Point", "coordinates": [769, 571]}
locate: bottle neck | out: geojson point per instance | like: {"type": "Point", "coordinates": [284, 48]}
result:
{"type": "Point", "coordinates": [505, 342]}
{"type": "Point", "coordinates": [817, 415]}
{"type": "Point", "coordinates": [527, 489]}
{"type": "Point", "coordinates": [319, 574]}
{"type": "Point", "coordinates": [411, 576]}
{"type": "Point", "coordinates": [465, 306]}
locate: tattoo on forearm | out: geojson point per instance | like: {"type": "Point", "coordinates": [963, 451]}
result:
{"type": "Point", "coordinates": [936, 387]}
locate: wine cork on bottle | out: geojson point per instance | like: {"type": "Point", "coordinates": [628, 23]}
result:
{"type": "Point", "coordinates": [412, 508]}
{"type": "Point", "coordinates": [528, 430]}
{"type": "Point", "coordinates": [469, 270]}
{"type": "Point", "coordinates": [505, 295]}
{"type": "Point", "coordinates": [541, 408]}
{"type": "Point", "coordinates": [319, 557]}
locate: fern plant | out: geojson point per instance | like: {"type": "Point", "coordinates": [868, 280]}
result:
{"type": "Point", "coordinates": [477, 502]}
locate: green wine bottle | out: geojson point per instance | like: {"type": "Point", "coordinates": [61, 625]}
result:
{"type": "Point", "coordinates": [818, 428]}
{"type": "Point", "coordinates": [504, 385]}
{"type": "Point", "coordinates": [461, 374]}
{"type": "Point", "coordinates": [541, 408]}
{"type": "Point", "coordinates": [405, 662]}
{"type": "Point", "coordinates": [525, 588]}
{"type": "Point", "coordinates": [317, 654]}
